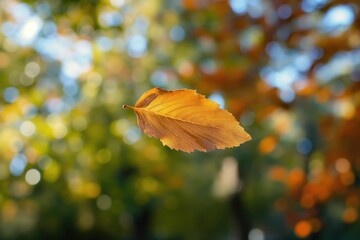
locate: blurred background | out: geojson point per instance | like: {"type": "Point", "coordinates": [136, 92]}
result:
{"type": "Point", "coordinates": [74, 165]}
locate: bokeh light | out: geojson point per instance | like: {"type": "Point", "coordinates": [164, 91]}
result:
{"type": "Point", "coordinates": [302, 229]}
{"type": "Point", "coordinates": [32, 177]}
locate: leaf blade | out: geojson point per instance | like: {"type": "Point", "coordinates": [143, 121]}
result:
{"type": "Point", "coordinates": [187, 121]}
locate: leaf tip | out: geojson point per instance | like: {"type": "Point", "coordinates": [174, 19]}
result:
{"type": "Point", "coordinates": [247, 137]}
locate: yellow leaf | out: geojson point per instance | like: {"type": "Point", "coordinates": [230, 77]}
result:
{"type": "Point", "coordinates": [186, 121]}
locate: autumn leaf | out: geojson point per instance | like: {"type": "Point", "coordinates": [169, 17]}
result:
{"type": "Point", "coordinates": [187, 121]}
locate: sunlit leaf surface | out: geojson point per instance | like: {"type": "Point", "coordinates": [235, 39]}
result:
{"type": "Point", "coordinates": [187, 121]}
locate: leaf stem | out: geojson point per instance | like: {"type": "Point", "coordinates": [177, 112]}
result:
{"type": "Point", "coordinates": [126, 106]}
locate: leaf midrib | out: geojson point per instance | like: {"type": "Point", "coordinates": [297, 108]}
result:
{"type": "Point", "coordinates": [177, 119]}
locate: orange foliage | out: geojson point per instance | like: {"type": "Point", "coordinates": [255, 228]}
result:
{"type": "Point", "coordinates": [302, 229]}
{"type": "Point", "coordinates": [267, 145]}
{"type": "Point", "coordinates": [295, 178]}
{"type": "Point", "coordinates": [307, 200]}
{"type": "Point", "coordinates": [277, 173]}
{"type": "Point", "coordinates": [347, 178]}
{"type": "Point", "coordinates": [321, 189]}
{"type": "Point", "coordinates": [350, 215]}
{"type": "Point", "coordinates": [352, 201]}
{"type": "Point", "coordinates": [323, 95]}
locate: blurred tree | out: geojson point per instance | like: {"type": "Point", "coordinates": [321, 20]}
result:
{"type": "Point", "coordinates": [74, 165]}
